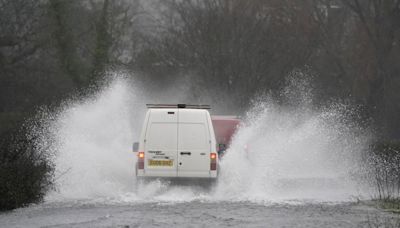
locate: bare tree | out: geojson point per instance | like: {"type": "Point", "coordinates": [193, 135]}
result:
{"type": "Point", "coordinates": [380, 21]}
{"type": "Point", "coordinates": [230, 45]}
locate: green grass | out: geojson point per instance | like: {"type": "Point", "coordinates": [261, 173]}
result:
{"type": "Point", "coordinates": [391, 205]}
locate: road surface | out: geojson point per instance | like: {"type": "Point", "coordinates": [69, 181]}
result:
{"type": "Point", "coordinates": [199, 214]}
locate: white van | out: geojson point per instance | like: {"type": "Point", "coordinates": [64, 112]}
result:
{"type": "Point", "coordinates": [177, 141]}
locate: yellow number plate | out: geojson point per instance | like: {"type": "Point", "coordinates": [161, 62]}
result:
{"type": "Point", "coordinates": [160, 162]}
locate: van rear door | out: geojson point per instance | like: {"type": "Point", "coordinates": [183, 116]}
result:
{"type": "Point", "coordinates": [193, 144]}
{"type": "Point", "coordinates": [161, 143]}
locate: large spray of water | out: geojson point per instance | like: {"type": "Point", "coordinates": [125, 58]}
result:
{"type": "Point", "coordinates": [294, 151]}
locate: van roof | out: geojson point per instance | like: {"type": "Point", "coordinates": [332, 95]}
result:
{"type": "Point", "coordinates": [189, 106]}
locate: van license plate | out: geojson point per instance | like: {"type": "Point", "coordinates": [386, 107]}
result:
{"type": "Point", "coordinates": [160, 162]}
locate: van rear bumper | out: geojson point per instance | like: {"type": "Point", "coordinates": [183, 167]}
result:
{"type": "Point", "coordinates": [180, 181]}
{"type": "Point", "coordinates": [185, 174]}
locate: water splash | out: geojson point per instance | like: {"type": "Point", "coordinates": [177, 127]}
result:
{"type": "Point", "coordinates": [295, 151]}
{"type": "Point", "coordinates": [93, 138]}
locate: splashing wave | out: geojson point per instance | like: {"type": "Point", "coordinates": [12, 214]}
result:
{"type": "Point", "coordinates": [295, 151]}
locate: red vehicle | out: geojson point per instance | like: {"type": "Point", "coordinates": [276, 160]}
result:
{"type": "Point", "coordinates": [224, 128]}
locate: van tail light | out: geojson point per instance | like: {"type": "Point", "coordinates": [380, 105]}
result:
{"type": "Point", "coordinates": [213, 161]}
{"type": "Point", "coordinates": [140, 160]}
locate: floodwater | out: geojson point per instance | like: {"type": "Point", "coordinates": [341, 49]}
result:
{"type": "Point", "coordinates": [199, 214]}
{"type": "Point", "coordinates": [301, 168]}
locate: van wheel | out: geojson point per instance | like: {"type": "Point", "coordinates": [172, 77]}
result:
{"type": "Point", "coordinates": [213, 182]}
{"type": "Point", "coordinates": [139, 183]}
{"type": "Point", "coordinates": [136, 169]}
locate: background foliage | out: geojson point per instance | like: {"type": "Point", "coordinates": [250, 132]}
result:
{"type": "Point", "coordinates": [229, 49]}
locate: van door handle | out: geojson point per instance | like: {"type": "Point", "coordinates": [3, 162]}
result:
{"type": "Point", "coordinates": [186, 153]}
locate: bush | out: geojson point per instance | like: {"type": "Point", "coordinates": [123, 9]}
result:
{"type": "Point", "coordinates": [25, 173]}
{"type": "Point", "coordinates": [384, 170]}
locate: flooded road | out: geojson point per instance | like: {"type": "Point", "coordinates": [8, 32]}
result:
{"type": "Point", "coordinates": [301, 168]}
{"type": "Point", "coordinates": [200, 214]}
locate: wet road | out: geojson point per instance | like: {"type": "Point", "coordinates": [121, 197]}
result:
{"type": "Point", "coordinates": [199, 214]}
